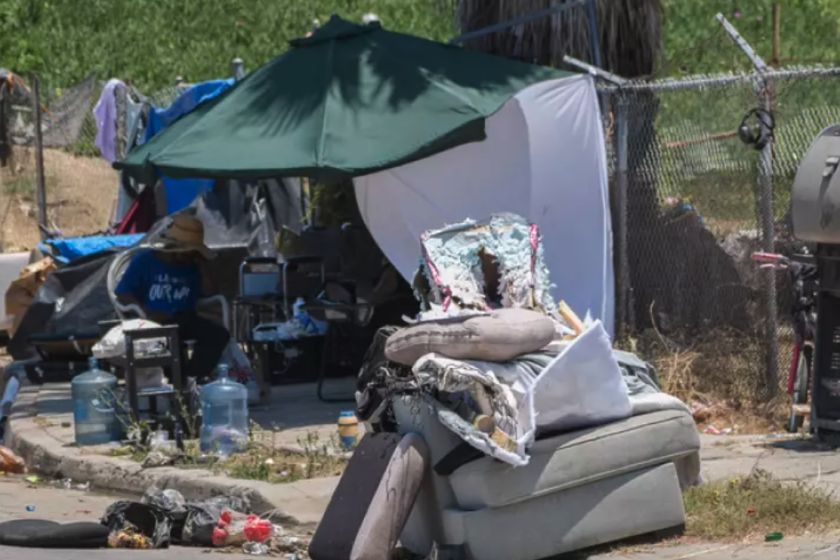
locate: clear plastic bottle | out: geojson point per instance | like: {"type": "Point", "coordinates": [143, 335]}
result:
{"type": "Point", "coordinates": [94, 416]}
{"type": "Point", "coordinates": [224, 407]}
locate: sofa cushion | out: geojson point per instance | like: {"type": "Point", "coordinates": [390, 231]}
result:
{"type": "Point", "coordinates": [499, 336]}
{"type": "Point", "coordinates": [578, 458]}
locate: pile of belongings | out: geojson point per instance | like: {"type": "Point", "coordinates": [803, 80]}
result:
{"type": "Point", "coordinates": [500, 361]}
{"type": "Point", "coordinates": [162, 517]}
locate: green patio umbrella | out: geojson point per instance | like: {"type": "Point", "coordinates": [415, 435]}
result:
{"type": "Point", "coordinates": [347, 101]}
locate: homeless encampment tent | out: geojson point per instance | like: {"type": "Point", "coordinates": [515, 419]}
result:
{"type": "Point", "coordinates": [69, 305]}
{"type": "Point", "coordinates": [431, 134]}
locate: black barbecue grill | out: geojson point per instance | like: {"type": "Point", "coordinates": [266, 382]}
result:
{"type": "Point", "coordinates": [815, 212]}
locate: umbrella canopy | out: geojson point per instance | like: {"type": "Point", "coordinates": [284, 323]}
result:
{"type": "Point", "coordinates": [347, 101]}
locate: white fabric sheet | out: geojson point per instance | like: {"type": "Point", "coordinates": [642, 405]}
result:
{"type": "Point", "coordinates": [544, 159]}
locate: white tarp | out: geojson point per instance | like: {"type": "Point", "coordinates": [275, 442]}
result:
{"type": "Point", "coordinates": [544, 159]}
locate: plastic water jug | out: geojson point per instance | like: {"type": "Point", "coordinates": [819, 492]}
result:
{"type": "Point", "coordinates": [94, 416]}
{"type": "Point", "coordinates": [224, 406]}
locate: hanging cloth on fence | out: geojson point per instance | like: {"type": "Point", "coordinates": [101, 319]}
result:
{"type": "Point", "coordinates": [105, 113]}
{"type": "Point", "coordinates": [181, 192]}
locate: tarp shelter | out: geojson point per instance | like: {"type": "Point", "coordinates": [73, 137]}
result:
{"type": "Point", "coordinates": [432, 134]}
{"type": "Point", "coordinates": [349, 100]}
{"type": "Point", "coordinates": [237, 221]}
{"type": "Point", "coordinates": [544, 159]}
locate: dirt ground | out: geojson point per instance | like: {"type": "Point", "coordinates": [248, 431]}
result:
{"type": "Point", "coordinates": [81, 196]}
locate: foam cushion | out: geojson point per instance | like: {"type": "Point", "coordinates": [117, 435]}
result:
{"type": "Point", "coordinates": [38, 533]}
{"type": "Point", "coordinates": [371, 505]}
{"type": "Point", "coordinates": [498, 336]}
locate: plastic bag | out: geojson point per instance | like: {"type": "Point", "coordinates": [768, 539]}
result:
{"type": "Point", "coordinates": [237, 530]}
{"type": "Point", "coordinates": [582, 386]}
{"type": "Point", "coordinates": [239, 369]}
{"type": "Point", "coordinates": [127, 520]}
{"type": "Point", "coordinates": [169, 501]}
{"type": "Point", "coordinates": [230, 530]}
{"type": "Point", "coordinates": [258, 530]}
{"type": "Point", "coordinates": [11, 463]}
{"type": "Point", "coordinates": [203, 518]}
{"type": "Point", "coordinates": [112, 344]}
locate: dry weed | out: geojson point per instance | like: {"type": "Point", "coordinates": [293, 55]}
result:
{"type": "Point", "coordinates": [722, 375]}
{"type": "Point", "coordinates": [81, 193]}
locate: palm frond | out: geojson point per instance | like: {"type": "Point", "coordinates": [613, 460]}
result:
{"type": "Point", "coordinates": [630, 32]}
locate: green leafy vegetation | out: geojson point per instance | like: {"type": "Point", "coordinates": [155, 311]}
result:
{"type": "Point", "coordinates": [696, 43]}
{"type": "Point", "coordinates": [153, 41]}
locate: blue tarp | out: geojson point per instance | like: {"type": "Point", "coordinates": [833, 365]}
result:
{"type": "Point", "coordinates": [181, 192]}
{"type": "Point", "coordinates": [66, 250]}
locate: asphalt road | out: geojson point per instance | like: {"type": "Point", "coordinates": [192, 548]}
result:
{"type": "Point", "coordinates": [74, 505]}
{"type": "Point", "coordinates": [17, 498]}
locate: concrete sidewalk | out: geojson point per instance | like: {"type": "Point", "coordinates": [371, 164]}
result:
{"type": "Point", "coordinates": [786, 458]}
{"type": "Point", "coordinates": [41, 430]}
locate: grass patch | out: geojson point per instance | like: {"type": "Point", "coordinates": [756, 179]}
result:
{"type": "Point", "coordinates": [757, 505]}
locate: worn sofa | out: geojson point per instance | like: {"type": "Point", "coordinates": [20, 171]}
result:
{"type": "Point", "coordinates": [579, 490]}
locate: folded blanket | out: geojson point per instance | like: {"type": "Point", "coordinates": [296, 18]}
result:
{"type": "Point", "coordinates": [506, 386]}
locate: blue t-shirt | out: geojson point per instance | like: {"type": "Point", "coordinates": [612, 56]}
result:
{"type": "Point", "coordinates": [162, 287]}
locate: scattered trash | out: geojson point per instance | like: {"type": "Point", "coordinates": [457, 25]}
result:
{"type": "Point", "coordinates": [136, 525]}
{"type": "Point", "coordinates": [269, 461]}
{"type": "Point", "coordinates": [83, 487]}
{"type": "Point", "coordinates": [30, 508]}
{"type": "Point", "coordinates": [203, 518]}
{"type": "Point", "coordinates": [717, 432]}
{"type": "Point", "coordinates": [11, 463]}
{"type": "Point", "coordinates": [158, 459]}
{"type": "Point", "coordinates": [129, 540]}
{"type": "Point", "coordinates": [751, 511]}
{"type": "Point", "coordinates": [348, 429]}
{"type": "Point", "coordinates": [84, 511]}
{"type": "Point", "coordinates": [170, 501]}
{"type": "Point", "coordinates": [230, 530]}
{"type": "Point", "coordinates": [774, 537]}
{"type": "Point", "coordinates": [255, 549]}
{"type": "Point", "coordinates": [260, 530]}
{"type": "Point", "coordinates": [32, 479]}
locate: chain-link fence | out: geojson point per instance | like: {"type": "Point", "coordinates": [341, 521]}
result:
{"type": "Point", "coordinates": [81, 187]}
{"type": "Point", "coordinates": [687, 209]}
{"type": "Point", "coordinates": [692, 202]}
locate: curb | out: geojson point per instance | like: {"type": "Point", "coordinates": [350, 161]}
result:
{"type": "Point", "coordinates": [296, 504]}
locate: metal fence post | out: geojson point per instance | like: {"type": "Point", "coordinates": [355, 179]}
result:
{"type": "Point", "coordinates": [238, 69]}
{"type": "Point", "coordinates": [40, 182]}
{"type": "Point", "coordinates": [624, 298]}
{"type": "Point", "coordinates": [768, 220]}
{"type": "Point", "coordinates": [768, 236]}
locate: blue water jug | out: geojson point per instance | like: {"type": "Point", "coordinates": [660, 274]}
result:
{"type": "Point", "coordinates": [94, 416]}
{"type": "Point", "coordinates": [224, 406]}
